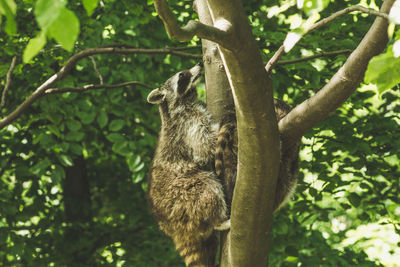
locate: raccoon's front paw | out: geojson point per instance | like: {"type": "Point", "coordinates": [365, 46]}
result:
{"type": "Point", "coordinates": [226, 225]}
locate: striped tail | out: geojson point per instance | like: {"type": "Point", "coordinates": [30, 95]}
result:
{"type": "Point", "coordinates": [225, 136]}
{"type": "Point", "coordinates": [196, 253]}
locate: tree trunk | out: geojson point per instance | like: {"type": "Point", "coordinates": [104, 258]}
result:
{"type": "Point", "coordinates": [219, 98]}
{"type": "Point", "coordinates": [257, 130]}
{"type": "Point", "coordinates": [77, 206]}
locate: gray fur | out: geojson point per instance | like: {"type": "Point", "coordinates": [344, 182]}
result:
{"type": "Point", "coordinates": [185, 195]}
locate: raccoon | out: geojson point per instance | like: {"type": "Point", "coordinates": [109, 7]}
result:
{"type": "Point", "coordinates": [185, 195]}
{"type": "Point", "coordinates": [226, 158]}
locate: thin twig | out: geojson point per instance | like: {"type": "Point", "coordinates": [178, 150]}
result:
{"type": "Point", "coordinates": [96, 69]}
{"type": "Point", "coordinates": [272, 62]}
{"type": "Point", "coordinates": [128, 49]}
{"type": "Point", "coordinates": [122, 45]}
{"type": "Point", "coordinates": [93, 87]}
{"type": "Point", "coordinates": [346, 11]}
{"type": "Point", "coordinates": [8, 82]}
{"type": "Point", "coordinates": [328, 54]}
{"type": "Point", "coordinates": [185, 48]}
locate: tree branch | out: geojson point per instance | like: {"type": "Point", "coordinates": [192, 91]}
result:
{"type": "Point", "coordinates": [93, 87]}
{"type": "Point", "coordinates": [8, 82]}
{"type": "Point", "coordinates": [187, 32]}
{"type": "Point", "coordinates": [278, 54]}
{"type": "Point", "coordinates": [346, 11]}
{"type": "Point", "coordinates": [71, 63]}
{"type": "Point", "coordinates": [96, 69]}
{"type": "Point", "coordinates": [327, 54]}
{"type": "Point", "coordinates": [315, 109]}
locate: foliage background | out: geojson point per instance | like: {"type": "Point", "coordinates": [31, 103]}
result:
{"type": "Point", "coordinates": [73, 167]}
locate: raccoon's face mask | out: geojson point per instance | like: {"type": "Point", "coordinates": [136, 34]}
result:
{"type": "Point", "coordinates": [176, 87]}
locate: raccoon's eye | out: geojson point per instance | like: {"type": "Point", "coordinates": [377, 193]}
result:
{"type": "Point", "coordinates": [183, 82]}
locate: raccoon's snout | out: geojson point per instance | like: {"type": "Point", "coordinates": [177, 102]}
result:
{"type": "Point", "coordinates": [196, 78]}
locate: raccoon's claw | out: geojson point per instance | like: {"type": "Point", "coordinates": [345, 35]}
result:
{"type": "Point", "coordinates": [226, 225]}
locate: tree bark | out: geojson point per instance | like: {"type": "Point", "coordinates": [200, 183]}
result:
{"type": "Point", "coordinates": [258, 139]}
{"type": "Point", "coordinates": [77, 206]}
{"type": "Point", "coordinates": [219, 100]}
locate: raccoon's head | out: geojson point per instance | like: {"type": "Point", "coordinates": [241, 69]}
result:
{"type": "Point", "coordinates": [179, 88]}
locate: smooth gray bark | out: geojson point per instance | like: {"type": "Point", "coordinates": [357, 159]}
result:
{"type": "Point", "coordinates": [258, 154]}
{"type": "Point", "coordinates": [219, 97]}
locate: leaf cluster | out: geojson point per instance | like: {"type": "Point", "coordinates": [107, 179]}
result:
{"type": "Point", "coordinates": [349, 166]}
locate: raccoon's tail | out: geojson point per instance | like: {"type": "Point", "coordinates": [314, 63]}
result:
{"type": "Point", "coordinates": [197, 253]}
{"type": "Point", "coordinates": [225, 136]}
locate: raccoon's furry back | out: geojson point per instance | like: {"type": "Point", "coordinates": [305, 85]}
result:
{"type": "Point", "coordinates": [226, 158]}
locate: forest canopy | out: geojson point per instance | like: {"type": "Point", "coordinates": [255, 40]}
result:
{"type": "Point", "coordinates": [77, 135]}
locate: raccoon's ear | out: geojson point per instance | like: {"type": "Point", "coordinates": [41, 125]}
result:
{"type": "Point", "coordinates": [156, 96]}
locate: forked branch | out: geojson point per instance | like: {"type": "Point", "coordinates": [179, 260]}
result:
{"type": "Point", "coordinates": [187, 32]}
{"type": "Point", "coordinates": [315, 109]}
{"type": "Point", "coordinates": [279, 53]}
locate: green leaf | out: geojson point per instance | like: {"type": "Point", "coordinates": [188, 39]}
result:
{"type": "Point", "coordinates": [102, 119]}
{"type": "Point", "coordinates": [40, 167]}
{"type": "Point", "coordinates": [116, 125]}
{"type": "Point", "coordinates": [8, 8]}
{"type": "Point", "coordinates": [46, 140]}
{"type": "Point", "coordinates": [54, 117]}
{"type": "Point", "coordinates": [384, 71]}
{"type": "Point", "coordinates": [66, 160]}
{"type": "Point", "coordinates": [121, 147]}
{"type": "Point", "coordinates": [73, 125]}
{"type": "Point", "coordinates": [133, 161]}
{"type": "Point", "coordinates": [65, 29]}
{"type": "Point", "coordinates": [47, 12]}
{"type": "Point", "coordinates": [34, 46]}
{"type": "Point", "coordinates": [86, 117]}
{"type": "Point", "coordinates": [137, 177]}
{"type": "Point", "coordinates": [64, 146]}
{"type": "Point", "coordinates": [114, 137]}
{"type": "Point", "coordinates": [139, 167]}
{"type": "Point", "coordinates": [74, 136]}
{"type": "Point", "coordinates": [90, 6]}
{"type": "Point", "coordinates": [76, 148]}
{"type": "Point", "coordinates": [58, 174]}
